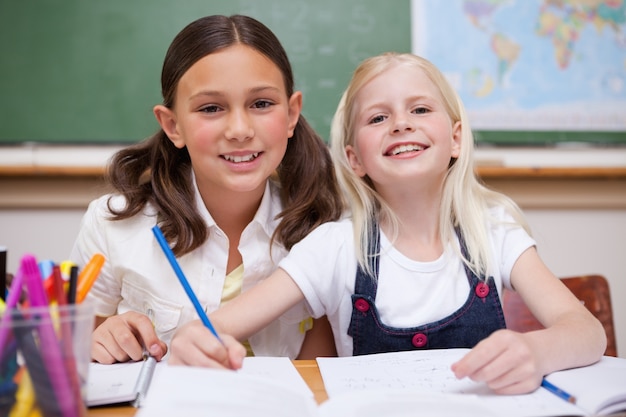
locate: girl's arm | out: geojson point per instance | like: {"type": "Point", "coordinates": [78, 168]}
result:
{"type": "Point", "coordinates": [514, 363]}
{"type": "Point", "coordinates": [240, 318]}
{"type": "Point", "coordinates": [573, 336]}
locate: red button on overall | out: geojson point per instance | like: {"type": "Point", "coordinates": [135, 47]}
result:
{"type": "Point", "coordinates": [419, 340]}
{"type": "Point", "coordinates": [362, 305]}
{"type": "Point", "coordinates": [482, 290]}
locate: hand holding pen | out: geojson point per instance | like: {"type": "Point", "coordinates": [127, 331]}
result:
{"type": "Point", "coordinates": [194, 345]}
{"type": "Point", "coordinates": [125, 337]}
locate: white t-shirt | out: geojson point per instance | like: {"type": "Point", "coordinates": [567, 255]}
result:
{"type": "Point", "coordinates": [136, 275]}
{"type": "Point", "coordinates": [410, 293]}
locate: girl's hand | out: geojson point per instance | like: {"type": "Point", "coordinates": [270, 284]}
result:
{"type": "Point", "coordinates": [506, 361]}
{"type": "Point", "coordinates": [194, 344]}
{"type": "Point", "coordinates": [122, 337]}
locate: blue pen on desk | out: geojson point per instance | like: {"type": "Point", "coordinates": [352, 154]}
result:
{"type": "Point", "coordinates": [558, 391]}
{"type": "Point", "coordinates": [181, 277]}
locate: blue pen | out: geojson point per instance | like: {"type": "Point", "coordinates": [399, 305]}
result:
{"type": "Point", "coordinates": [181, 277]}
{"type": "Point", "coordinates": [558, 391]}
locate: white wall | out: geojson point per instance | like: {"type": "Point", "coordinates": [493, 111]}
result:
{"type": "Point", "coordinates": [577, 242]}
{"type": "Point", "coordinates": [45, 233]}
{"type": "Point", "coordinates": [572, 242]}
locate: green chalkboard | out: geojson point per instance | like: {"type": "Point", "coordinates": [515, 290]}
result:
{"type": "Point", "coordinates": [551, 138]}
{"type": "Point", "coordinates": [87, 71]}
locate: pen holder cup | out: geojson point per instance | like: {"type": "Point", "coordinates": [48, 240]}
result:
{"type": "Point", "coordinates": [45, 360]}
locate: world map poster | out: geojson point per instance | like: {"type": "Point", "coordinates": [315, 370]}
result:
{"type": "Point", "coordinates": [529, 64]}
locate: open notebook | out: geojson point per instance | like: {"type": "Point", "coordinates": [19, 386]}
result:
{"type": "Point", "coordinates": [600, 389]}
{"type": "Point", "coordinates": [391, 384]}
{"type": "Point", "coordinates": [131, 381]}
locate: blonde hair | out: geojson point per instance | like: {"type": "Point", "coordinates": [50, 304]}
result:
{"type": "Point", "coordinates": [465, 201]}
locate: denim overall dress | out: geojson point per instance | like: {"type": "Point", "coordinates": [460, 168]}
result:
{"type": "Point", "coordinates": [478, 317]}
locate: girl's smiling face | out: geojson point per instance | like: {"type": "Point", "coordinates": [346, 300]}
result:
{"type": "Point", "coordinates": [233, 114]}
{"type": "Point", "coordinates": [402, 132]}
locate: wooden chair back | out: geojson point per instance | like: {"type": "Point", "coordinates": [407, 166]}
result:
{"type": "Point", "coordinates": [591, 290]}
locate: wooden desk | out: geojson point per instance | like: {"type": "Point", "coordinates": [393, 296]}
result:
{"type": "Point", "coordinates": [307, 368]}
{"type": "Point", "coordinates": [311, 374]}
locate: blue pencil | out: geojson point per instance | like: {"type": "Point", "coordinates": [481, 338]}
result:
{"type": "Point", "coordinates": [558, 391]}
{"type": "Point", "coordinates": [183, 280]}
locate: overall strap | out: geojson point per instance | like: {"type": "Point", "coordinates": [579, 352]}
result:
{"type": "Point", "coordinates": [366, 283]}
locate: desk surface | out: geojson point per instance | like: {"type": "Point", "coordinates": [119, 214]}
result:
{"type": "Point", "coordinates": [307, 368]}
